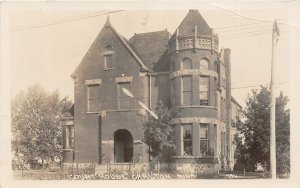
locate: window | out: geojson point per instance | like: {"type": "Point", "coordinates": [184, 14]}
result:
{"type": "Point", "coordinates": [70, 137]}
{"type": "Point", "coordinates": [187, 139]}
{"type": "Point", "coordinates": [204, 64]}
{"type": "Point", "coordinates": [187, 63]}
{"type": "Point", "coordinates": [108, 57]}
{"type": "Point", "coordinates": [204, 89]}
{"type": "Point", "coordinates": [124, 100]}
{"type": "Point", "coordinates": [172, 66]}
{"type": "Point", "coordinates": [93, 98]}
{"type": "Point", "coordinates": [187, 90]}
{"type": "Point", "coordinates": [173, 99]}
{"type": "Point", "coordinates": [204, 139]}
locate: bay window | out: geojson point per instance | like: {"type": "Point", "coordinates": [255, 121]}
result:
{"type": "Point", "coordinates": [204, 90]}
{"type": "Point", "coordinates": [187, 139]}
{"type": "Point", "coordinates": [204, 147]}
{"type": "Point", "coordinates": [187, 90]}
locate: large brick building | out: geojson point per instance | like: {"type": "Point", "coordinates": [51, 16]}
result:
{"type": "Point", "coordinates": [186, 71]}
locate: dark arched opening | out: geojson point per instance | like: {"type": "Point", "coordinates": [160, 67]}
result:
{"type": "Point", "coordinates": [123, 146]}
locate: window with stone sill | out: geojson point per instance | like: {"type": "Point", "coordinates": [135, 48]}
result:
{"type": "Point", "coordinates": [204, 147]}
{"type": "Point", "coordinates": [173, 96]}
{"type": "Point", "coordinates": [70, 144]}
{"type": "Point", "coordinates": [187, 140]}
{"type": "Point", "coordinates": [123, 99]}
{"type": "Point", "coordinates": [204, 90]}
{"type": "Point", "coordinates": [93, 97]}
{"type": "Point", "coordinates": [186, 90]}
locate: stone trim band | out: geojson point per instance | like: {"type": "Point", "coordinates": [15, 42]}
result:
{"type": "Point", "coordinates": [93, 82]}
{"type": "Point", "coordinates": [193, 72]}
{"type": "Point", "coordinates": [191, 120]}
{"type": "Point", "coordinates": [123, 79]}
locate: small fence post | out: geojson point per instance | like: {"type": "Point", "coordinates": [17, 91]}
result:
{"type": "Point", "coordinates": [22, 168]}
{"type": "Point", "coordinates": [244, 173]}
{"type": "Point", "coordinates": [72, 168]}
{"type": "Point", "coordinates": [94, 168]}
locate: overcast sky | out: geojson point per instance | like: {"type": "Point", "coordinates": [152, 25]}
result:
{"type": "Point", "coordinates": [47, 44]}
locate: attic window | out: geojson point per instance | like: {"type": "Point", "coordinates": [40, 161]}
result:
{"type": "Point", "coordinates": [108, 58]}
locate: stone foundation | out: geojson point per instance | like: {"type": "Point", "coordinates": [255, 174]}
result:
{"type": "Point", "coordinates": [195, 168]}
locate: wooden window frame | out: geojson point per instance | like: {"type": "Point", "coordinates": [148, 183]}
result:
{"type": "Point", "coordinates": [204, 139]}
{"type": "Point", "coordinates": [190, 140]}
{"type": "Point", "coordinates": [120, 98]}
{"type": "Point", "coordinates": [88, 97]}
{"type": "Point", "coordinates": [186, 91]}
{"type": "Point", "coordinates": [202, 91]}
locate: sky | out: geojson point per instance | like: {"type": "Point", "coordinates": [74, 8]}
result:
{"type": "Point", "coordinates": [47, 44]}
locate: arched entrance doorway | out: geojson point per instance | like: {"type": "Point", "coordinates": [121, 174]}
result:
{"type": "Point", "coordinates": [123, 146]}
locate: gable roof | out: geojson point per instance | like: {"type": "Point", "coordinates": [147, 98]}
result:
{"type": "Point", "coordinates": [150, 46]}
{"type": "Point", "coordinates": [192, 19]}
{"type": "Point", "coordinates": [125, 43]}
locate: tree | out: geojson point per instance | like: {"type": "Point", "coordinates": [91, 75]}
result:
{"type": "Point", "coordinates": [253, 144]}
{"type": "Point", "coordinates": [159, 133]}
{"type": "Point", "coordinates": [36, 126]}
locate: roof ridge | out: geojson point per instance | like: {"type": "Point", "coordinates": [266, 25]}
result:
{"type": "Point", "coordinates": [152, 32]}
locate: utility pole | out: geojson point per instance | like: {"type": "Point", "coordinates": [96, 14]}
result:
{"type": "Point", "coordinates": [275, 35]}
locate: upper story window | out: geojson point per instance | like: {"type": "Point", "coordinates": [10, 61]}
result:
{"type": "Point", "coordinates": [93, 104]}
{"type": "Point", "coordinates": [187, 63]}
{"type": "Point", "coordinates": [187, 90]}
{"type": "Point", "coordinates": [123, 99]}
{"type": "Point", "coordinates": [204, 64]}
{"type": "Point", "coordinates": [187, 139]}
{"type": "Point", "coordinates": [108, 57]}
{"type": "Point", "coordinates": [204, 90]}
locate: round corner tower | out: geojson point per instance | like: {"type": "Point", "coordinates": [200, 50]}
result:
{"type": "Point", "coordinates": [193, 52]}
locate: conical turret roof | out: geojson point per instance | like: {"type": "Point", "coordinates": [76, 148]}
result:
{"type": "Point", "coordinates": [192, 19]}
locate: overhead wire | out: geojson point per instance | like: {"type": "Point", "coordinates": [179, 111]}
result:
{"type": "Point", "coordinates": [250, 86]}
{"type": "Point", "coordinates": [64, 21]}
{"type": "Point", "coordinates": [58, 20]}
{"type": "Point", "coordinates": [251, 18]}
